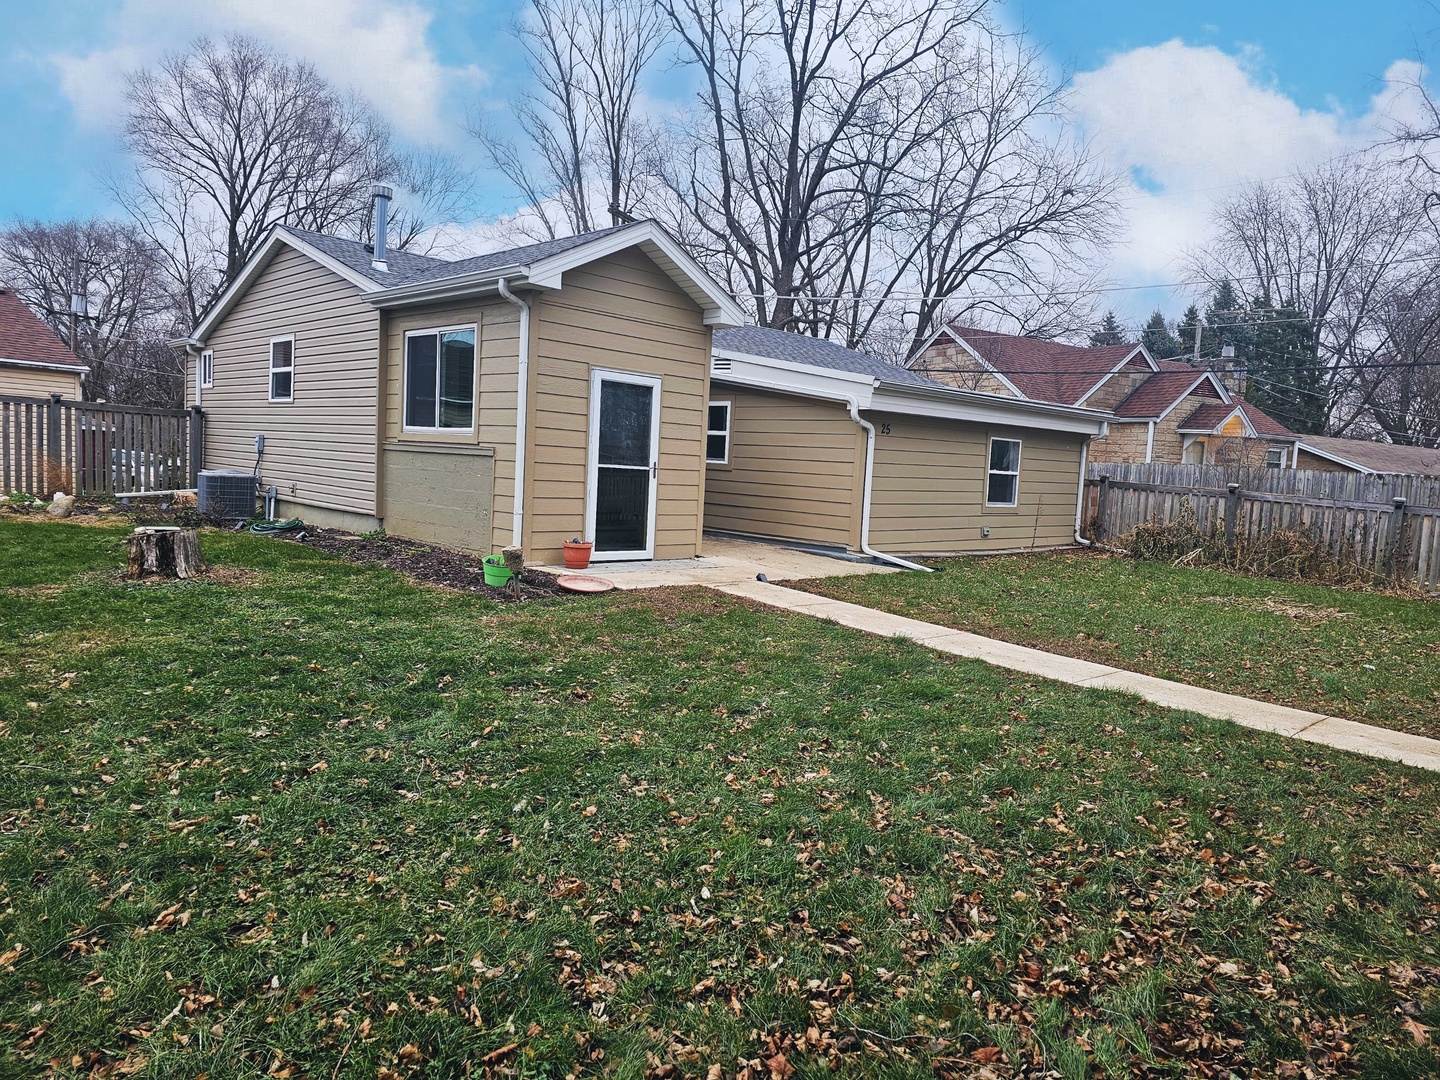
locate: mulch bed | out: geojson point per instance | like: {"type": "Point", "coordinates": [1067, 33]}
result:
{"type": "Point", "coordinates": [430, 564]}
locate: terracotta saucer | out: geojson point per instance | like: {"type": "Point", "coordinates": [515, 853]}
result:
{"type": "Point", "coordinates": [579, 583]}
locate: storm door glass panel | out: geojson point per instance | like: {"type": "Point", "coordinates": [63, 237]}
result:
{"type": "Point", "coordinates": [622, 483]}
{"type": "Point", "coordinates": [457, 379]}
{"type": "Point", "coordinates": [420, 364]}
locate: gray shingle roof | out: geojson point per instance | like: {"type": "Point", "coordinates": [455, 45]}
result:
{"type": "Point", "coordinates": [408, 269]}
{"type": "Point", "coordinates": [817, 352]}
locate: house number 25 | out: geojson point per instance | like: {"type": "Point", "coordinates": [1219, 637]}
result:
{"type": "Point", "coordinates": [884, 429]}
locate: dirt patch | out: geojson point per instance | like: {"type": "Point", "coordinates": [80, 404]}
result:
{"type": "Point", "coordinates": [430, 563]}
{"type": "Point", "coordinates": [1291, 609]}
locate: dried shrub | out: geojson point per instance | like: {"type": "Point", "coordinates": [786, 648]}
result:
{"type": "Point", "coordinates": [1285, 554]}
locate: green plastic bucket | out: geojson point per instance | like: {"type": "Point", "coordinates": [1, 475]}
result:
{"type": "Point", "coordinates": [496, 572]}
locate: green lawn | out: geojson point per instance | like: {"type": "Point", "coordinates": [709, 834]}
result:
{"type": "Point", "coordinates": [306, 819]}
{"type": "Point", "coordinates": [1365, 656]}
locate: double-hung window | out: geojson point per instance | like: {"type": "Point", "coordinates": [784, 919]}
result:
{"type": "Point", "coordinates": [1002, 481]}
{"type": "Point", "coordinates": [282, 368]}
{"type": "Point", "coordinates": [440, 379]}
{"type": "Point", "coordinates": [717, 433]}
{"type": "Point", "coordinates": [1275, 458]}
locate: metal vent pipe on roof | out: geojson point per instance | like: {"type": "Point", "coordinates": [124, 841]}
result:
{"type": "Point", "coordinates": [382, 194]}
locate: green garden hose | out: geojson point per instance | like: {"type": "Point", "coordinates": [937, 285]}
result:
{"type": "Point", "coordinates": [276, 528]}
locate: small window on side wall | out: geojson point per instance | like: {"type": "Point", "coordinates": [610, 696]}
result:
{"type": "Point", "coordinates": [1002, 480]}
{"type": "Point", "coordinates": [1275, 458]}
{"type": "Point", "coordinates": [207, 369]}
{"type": "Point", "coordinates": [717, 433]}
{"type": "Point", "coordinates": [282, 368]}
{"type": "Point", "coordinates": [440, 380]}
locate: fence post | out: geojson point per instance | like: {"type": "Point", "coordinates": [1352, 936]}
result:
{"type": "Point", "coordinates": [1232, 512]}
{"type": "Point", "coordinates": [54, 466]}
{"type": "Point", "coordinates": [197, 444]}
{"type": "Point", "coordinates": [1100, 499]}
{"type": "Point", "coordinates": [1397, 539]}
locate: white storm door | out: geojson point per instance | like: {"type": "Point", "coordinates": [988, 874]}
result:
{"type": "Point", "coordinates": [624, 465]}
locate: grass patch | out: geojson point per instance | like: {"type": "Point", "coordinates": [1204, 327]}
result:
{"type": "Point", "coordinates": [1364, 656]}
{"type": "Point", "coordinates": [327, 822]}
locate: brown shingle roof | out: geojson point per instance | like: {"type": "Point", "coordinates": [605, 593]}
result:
{"type": "Point", "coordinates": [1160, 391]}
{"type": "Point", "coordinates": [1044, 370]}
{"type": "Point", "coordinates": [1378, 456]}
{"type": "Point", "coordinates": [24, 337]}
{"type": "Point", "coordinates": [1208, 418]}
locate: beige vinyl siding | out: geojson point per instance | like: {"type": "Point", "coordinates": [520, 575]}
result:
{"type": "Point", "coordinates": [795, 470]}
{"type": "Point", "coordinates": [620, 313]}
{"type": "Point", "coordinates": [497, 350]}
{"type": "Point", "coordinates": [38, 382]}
{"type": "Point", "coordinates": [320, 447]}
{"type": "Point", "coordinates": [929, 488]}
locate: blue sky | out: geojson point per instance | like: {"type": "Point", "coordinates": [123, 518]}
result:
{"type": "Point", "coordinates": [1189, 98]}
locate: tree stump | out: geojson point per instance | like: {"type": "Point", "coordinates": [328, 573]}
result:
{"type": "Point", "coordinates": [165, 551]}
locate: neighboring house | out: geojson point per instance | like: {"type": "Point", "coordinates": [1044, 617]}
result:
{"type": "Point", "coordinates": [1159, 410]}
{"type": "Point", "coordinates": [392, 390]}
{"type": "Point", "coordinates": [808, 441]}
{"type": "Point", "coordinates": [33, 361]}
{"type": "Point", "coordinates": [1360, 456]}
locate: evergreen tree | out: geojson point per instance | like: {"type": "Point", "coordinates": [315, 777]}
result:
{"type": "Point", "coordinates": [1285, 376]}
{"type": "Point", "coordinates": [1185, 333]}
{"type": "Point", "coordinates": [1158, 339]}
{"type": "Point", "coordinates": [1110, 332]}
{"type": "Point", "coordinates": [1227, 322]}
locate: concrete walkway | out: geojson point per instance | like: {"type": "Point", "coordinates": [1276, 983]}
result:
{"type": "Point", "coordinates": [1263, 716]}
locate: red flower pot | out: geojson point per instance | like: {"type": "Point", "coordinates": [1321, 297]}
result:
{"type": "Point", "coordinates": [577, 554]}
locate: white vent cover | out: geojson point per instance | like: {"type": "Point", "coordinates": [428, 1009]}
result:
{"type": "Point", "coordinates": [719, 364]}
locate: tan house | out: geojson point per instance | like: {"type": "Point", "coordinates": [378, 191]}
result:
{"type": "Point", "coordinates": [33, 361]}
{"type": "Point", "coordinates": [1159, 410]}
{"type": "Point", "coordinates": [1362, 456]}
{"type": "Point", "coordinates": [810, 442]}
{"type": "Point", "coordinates": [547, 392]}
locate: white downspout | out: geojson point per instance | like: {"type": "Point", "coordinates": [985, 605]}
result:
{"type": "Point", "coordinates": [517, 526]}
{"type": "Point", "coordinates": [1149, 442]}
{"type": "Point", "coordinates": [1080, 495]}
{"type": "Point", "coordinates": [865, 494]}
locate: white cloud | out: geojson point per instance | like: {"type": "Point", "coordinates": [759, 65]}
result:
{"type": "Point", "coordinates": [1195, 122]}
{"type": "Point", "coordinates": [377, 48]}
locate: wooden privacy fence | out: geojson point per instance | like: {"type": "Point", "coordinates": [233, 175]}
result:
{"type": "Point", "coordinates": [50, 444]}
{"type": "Point", "coordinates": [1392, 539]}
{"type": "Point", "coordinates": [1309, 483]}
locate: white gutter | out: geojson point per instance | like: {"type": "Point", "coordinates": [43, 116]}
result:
{"type": "Point", "coordinates": [47, 365]}
{"type": "Point", "coordinates": [865, 494]}
{"type": "Point", "coordinates": [517, 525]}
{"type": "Point", "coordinates": [1149, 442]}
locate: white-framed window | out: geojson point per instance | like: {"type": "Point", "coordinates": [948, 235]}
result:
{"type": "Point", "coordinates": [206, 365]}
{"type": "Point", "coordinates": [1275, 457]}
{"type": "Point", "coordinates": [717, 433]}
{"type": "Point", "coordinates": [440, 379]}
{"type": "Point", "coordinates": [282, 368]}
{"type": "Point", "coordinates": [1002, 478]}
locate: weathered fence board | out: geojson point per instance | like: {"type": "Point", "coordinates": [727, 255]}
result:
{"type": "Point", "coordinates": [50, 444]}
{"type": "Point", "coordinates": [1367, 520]}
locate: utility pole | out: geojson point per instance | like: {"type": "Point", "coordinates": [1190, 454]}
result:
{"type": "Point", "coordinates": [77, 303]}
{"type": "Point", "coordinates": [1198, 325]}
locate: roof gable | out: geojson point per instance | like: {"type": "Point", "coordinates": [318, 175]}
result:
{"type": "Point", "coordinates": [1046, 370]}
{"type": "Point", "coordinates": [26, 340]}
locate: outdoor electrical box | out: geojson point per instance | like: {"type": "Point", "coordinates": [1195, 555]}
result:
{"type": "Point", "coordinates": [259, 445]}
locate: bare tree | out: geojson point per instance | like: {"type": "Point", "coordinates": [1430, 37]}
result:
{"type": "Point", "coordinates": [583, 139]}
{"type": "Point", "coordinates": [1398, 384]}
{"type": "Point", "coordinates": [130, 308]}
{"type": "Point", "coordinates": [230, 140]}
{"type": "Point", "coordinates": [1335, 243]}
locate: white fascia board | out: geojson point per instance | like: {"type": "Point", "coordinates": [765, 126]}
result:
{"type": "Point", "coordinates": [767, 373]}
{"type": "Point", "coordinates": [278, 237]}
{"type": "Point", "coordinates": [448, 288]}
{"type": "Point", "coordinates": [719, 306]}
{"type": "Point", "coordinates": [1214, 429]}
{"type": "Point", "coordinates": [1301, 444]}
{"type": "Point", "coordinates": [990, 368]}
{"type": "Point", "coordinates": [988, 409]}
{"type": "Point", "coordinates": [1144, 354]}
{"type": "Point", "coordinates": [46, 365]}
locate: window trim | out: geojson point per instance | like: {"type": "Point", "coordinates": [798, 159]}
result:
{"type": "Point", "coordinates": [1275, 450]}
{"type": "Point", "coordinates": [270, 372]}
{"type": "Point", "coordinates": [729, 425]}
{"type": "Point", "coordinates": [436, 331]}
{"type": "Point", "coordinates": [989, 472]}
{"type": "Point", "coordinates": [206, 375]}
